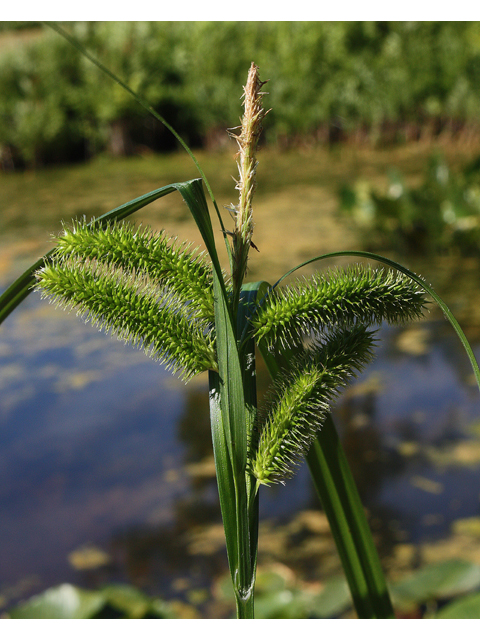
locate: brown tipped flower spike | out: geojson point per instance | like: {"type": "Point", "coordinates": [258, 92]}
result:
{"type": "Point", "coordinates": [247, 141]}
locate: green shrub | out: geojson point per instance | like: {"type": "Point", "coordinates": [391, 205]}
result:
{"type": "Point", "coordinates": [329, 79]}
{"type": "Point", "coordinates": [441, 215]}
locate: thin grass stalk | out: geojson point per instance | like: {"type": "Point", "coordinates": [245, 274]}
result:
{"type": "Point", "coordinates": [339, 497]}
{"type": "Point", "coordinates": [75, 43]}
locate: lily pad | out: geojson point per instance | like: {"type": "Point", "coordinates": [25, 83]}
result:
{"type": "Point", "coordinates": [284, 603]}
{"type": "Point", "coordinates": [466, 607]}
{"type": "Point", "coordinates": [127, 599]}
{"type": "Point", "coordinates": [112, 601]}
{"type": "Point", "coordinates": [333, 600]}
{"type": "Point", "coordinates": [64, 601]}
{"type": "Point", "coordinates": [438, 581]}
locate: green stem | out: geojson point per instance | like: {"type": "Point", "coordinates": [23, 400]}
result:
{"type": "Point", "coordinates": [245, 607]}
{"type": "Point", "coordinates": [338, 494]}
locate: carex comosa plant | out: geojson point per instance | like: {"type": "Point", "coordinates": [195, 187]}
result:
{"type": "Point", "coordinates": [314, 334]}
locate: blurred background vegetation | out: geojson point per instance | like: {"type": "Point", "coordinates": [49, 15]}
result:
{"type": "Point", "coordinates": [379, 82]}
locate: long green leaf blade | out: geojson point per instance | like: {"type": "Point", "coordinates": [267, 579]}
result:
{"type": "Point", "coordinates": [338, 494]}
{"type": "Point", "coordinates": [247, 303]}
{"type": "Point", "coordinates": [228, 415]}
{"type": "Point", "coordinates": [234, 420]}
{"type": "Point", "coordinates": [224, 471]}
{"type": "Point", "coordinates": [194, 196]}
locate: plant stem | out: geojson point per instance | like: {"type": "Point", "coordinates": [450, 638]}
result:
{"type": "Point", "coordinates": [338, 494]}
{"type": "Point", "coordinates": [245, 609]}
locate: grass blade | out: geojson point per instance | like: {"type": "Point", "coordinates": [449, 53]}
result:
{"type": "Point", "coordinates": [248, 297]}
{"type": "Point", "coordinates": [194, 196]}
{"type": "Point", "coordinates": [228, 416]}
{"type": "Point", "coordinates": [224, 472]}
{"type": "Point", "coordinates": [338, 494]}
{"type": "Point", "coordinates": [231, 449]}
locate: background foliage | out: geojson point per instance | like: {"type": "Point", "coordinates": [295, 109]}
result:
{"type": "Point", "coordinates": [440, 215]}
{"type": "Point", "coordinates": [380, 80]}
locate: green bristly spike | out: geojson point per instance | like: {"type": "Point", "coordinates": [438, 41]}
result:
{"type": "Point", "coordinates": [169, 264]}
{"type": "Point", "coordinates": [337, 298]}
{"type": "Point", "coordinates": [301, 399]}
{"type": "Point", "coordinates": [132, 309]}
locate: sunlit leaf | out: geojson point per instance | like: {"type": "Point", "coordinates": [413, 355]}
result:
{"type": "Point", "coordinates": [69, 601]}
{"type": "Point", "coordinates": [437, 581]}
{"type": "Point", "coordinates": [466, 607]}
{"type": "Point", "coordinates": [64, 601]}
{"type": "Point", "coordinates": [333, 600]}
{"type": "Point", "coordinates": [284, 603]}
{"type": "Point", "coordinates": [133, 602]}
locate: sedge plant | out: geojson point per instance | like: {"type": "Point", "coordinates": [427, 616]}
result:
{"type": "Point", "coordinates": [314, 335]}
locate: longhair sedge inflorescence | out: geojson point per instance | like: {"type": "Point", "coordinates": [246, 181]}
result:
{"type": "Point", "coordinates": [167, 262]}
{"type": "Point", "coordinates": [358, 294]}
{"type": "Point", "coordinates": [334, 310]}
{"type": "Point", "coordinates": [247, 141]}
{"type": "Point", "coordinates": [300, 400]}
{"type": "Point", "coordinates": [142, 299]}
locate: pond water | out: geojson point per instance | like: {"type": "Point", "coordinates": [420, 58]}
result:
{"type": "Point", "coordinates": [106, 468]}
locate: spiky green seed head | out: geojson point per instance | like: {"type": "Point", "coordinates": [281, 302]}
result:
{"type": "Point", "coordinates": [337, 297]}
{"type": "Point", "coordinates": [131, 307]}
{"type": "Point", "coordinates": [166, 262]}
{"type": "Point", "coordinates": [300, 400]}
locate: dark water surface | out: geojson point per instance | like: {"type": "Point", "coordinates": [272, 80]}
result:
{"type": "Point", "coordinates": [100, 445]}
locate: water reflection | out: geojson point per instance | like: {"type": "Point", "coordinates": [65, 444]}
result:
{"type": "Point", "coordinates": [99, 445]}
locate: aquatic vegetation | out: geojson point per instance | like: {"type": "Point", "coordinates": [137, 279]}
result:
{"type": "Point", "coordinates": [442, 215]}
